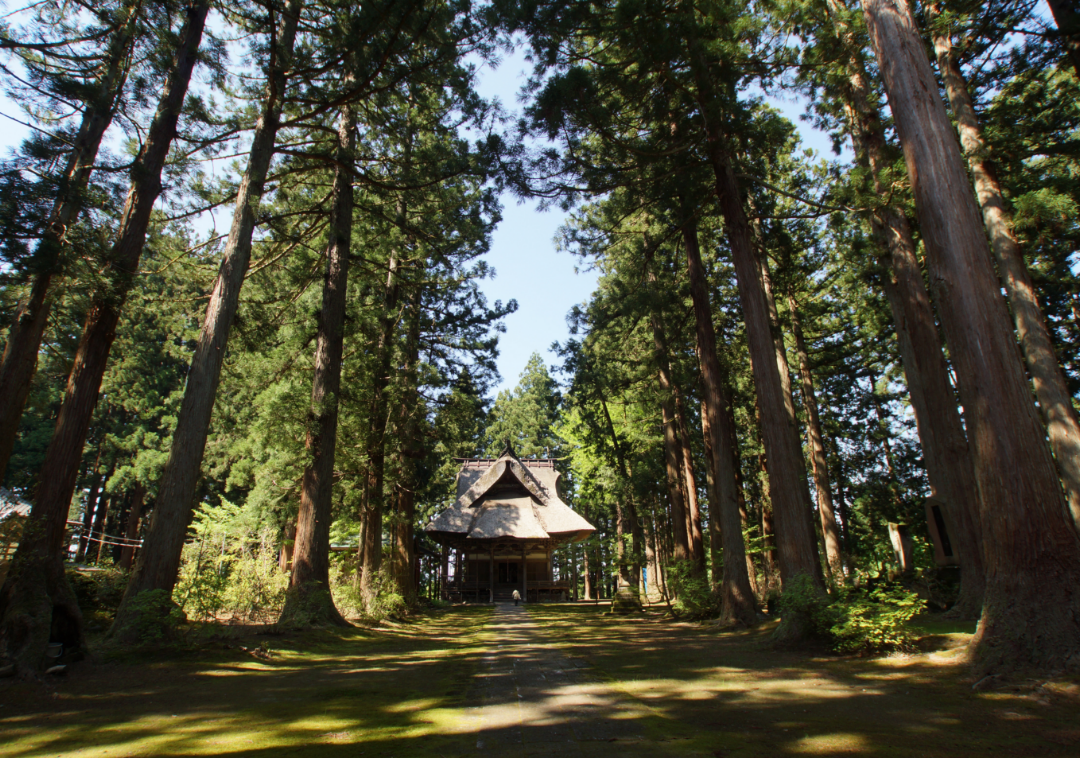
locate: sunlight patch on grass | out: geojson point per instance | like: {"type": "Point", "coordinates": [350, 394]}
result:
{"type": "Point", "coordinates": [838, 743]}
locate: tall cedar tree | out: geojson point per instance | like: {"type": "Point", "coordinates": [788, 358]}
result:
{"type": "Point", "coordinates": [1030, 548]}
{"type": "Point", "coordinates": [36, 597]}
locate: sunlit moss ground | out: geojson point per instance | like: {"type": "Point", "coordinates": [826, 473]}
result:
{"type": "Point", "coordinates": [732, 693]}
{"type": "Point", "coordinates": [408, 689]}
{"type": "Point", "coordinates": [395, 690]}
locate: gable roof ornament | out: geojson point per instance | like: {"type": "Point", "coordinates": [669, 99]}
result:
{"type": "Point", "coordinates": [506, 462]}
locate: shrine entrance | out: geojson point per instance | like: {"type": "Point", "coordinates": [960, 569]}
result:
{"type": "Point", "coordinates": [500, 534]}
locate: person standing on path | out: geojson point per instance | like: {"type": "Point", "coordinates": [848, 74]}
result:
{"type": "Point", "coordinates": [517, 596]}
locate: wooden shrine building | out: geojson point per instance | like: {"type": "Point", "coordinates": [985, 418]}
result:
{"type": "Point", "coordinates": [503, 528]}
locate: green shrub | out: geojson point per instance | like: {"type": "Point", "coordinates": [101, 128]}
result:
{"type": "Point", "coordinates": [855, 620]}
{"type": "Point", "coordinates": [874, 620]}
{"type": "Point", "coordinates": [693, 596]}
{"type": "Point", "coordinates": [388, 602]}
{"type": "Point", "coordinates": [99, 592]}
{"type": "Point", "coordinates": [230, 568]}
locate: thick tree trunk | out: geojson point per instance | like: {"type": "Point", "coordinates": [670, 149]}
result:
{"type": "Point", "coordinates": [693, 507]}
{"type": "Point", "coordinates": [1030, 548]}
{"type": "Point", "coordinates": [1068, 23]}
{"type": "Point", "coordinates": [61, 466]}
{"type": "Point", "coordinates": [672, 452]}
{"type": "Point", "coordinates": [829, 530]}
{"type": "Point", "coordinates": [19, 361]}
{"type": "Point", "coordinates": [737, 599]}
{"type": "Point", "coordinates": [946, 454]}
{"type": "Point", "coordinates": [410, 442]}
{"type": "Point", "coordinates": [1055, 401]}
{"type": "Point", "coordinates": [788, 487]}
{"type": "Point", "coordinates": [159, 563]}
{"type": "Point", "coordinates": [308, 600]}
{"type": "Point", "coordinates": [716, 539]}
{"type": "Point", "coordinates": [373, 527]}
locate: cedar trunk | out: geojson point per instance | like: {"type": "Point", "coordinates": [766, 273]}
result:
{"type": "Point", "coordinates": [788, 487]}
{"type": "Point", "coordinates": [24, 338]}
{"type": "Point", "coordinates": [373, 526]}
{"type": "Point", "coordinates": [737, 599]}
{"type": "Point", "coordinates": [1031, 551]}
{"type": "Point", "coordinates": [410, 443]}
{"type": "Point", "coordinates": [308, 600]}
{"type": "Point", "coordinates": [131, 530]}
{"type": "Point", "coordinates": [1055, 401]}
{"type": "Point", "coordinates": [1068, 23]}
{"type": "Point", "coordinates": [158, 565]}
{"type": "Point", "coordinates": [42, 566]}
{"type": "Point", "coordinates": [946, 454]}
{"type": "Point", "coordinates": [829, 530]}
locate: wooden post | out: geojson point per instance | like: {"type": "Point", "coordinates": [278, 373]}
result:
{"type": "Point", "coordinates": [445, 572]}
{"type": "Point", "coordinates": [491, 575]}
{"type": "Point", "coordinates": [524, 574]}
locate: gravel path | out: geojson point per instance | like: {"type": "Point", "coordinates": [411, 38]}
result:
{"type": "Point", "coordinates": [529, 699]}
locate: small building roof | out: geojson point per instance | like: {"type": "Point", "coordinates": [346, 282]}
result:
{"type": "Point", "coordinates": [509, 498]}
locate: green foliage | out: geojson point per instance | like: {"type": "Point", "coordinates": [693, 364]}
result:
{"type": "Point", "coordinates": [856, 619]}
{"type": "Point", "coordinates": [154, 616]}
{"type": "Point", "coordinates": [527, 415]}
{"type": "Point", "coordinates": [230, 568]}
{"type": "Point", "coordinates": [99, 593]}
{"type": "Point", "coordinates": [693, 596]}
{"type": "Point", "coordinates": [387, 604]}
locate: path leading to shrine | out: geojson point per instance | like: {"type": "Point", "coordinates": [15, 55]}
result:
{"type": "Point", "coordinates": [557, 680]}
{"type": "Point", "coordinates": [531, 699]}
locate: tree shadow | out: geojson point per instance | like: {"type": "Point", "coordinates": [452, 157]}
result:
{"type": "Point", "coordinates": [552, 680]}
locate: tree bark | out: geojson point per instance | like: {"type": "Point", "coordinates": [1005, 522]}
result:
{"type": "Point", "coordinates": [308, 600]}
{"type": "Point", "coordinates": [737, 599]}
{"type": "Point", "coordinates": [1068, 23]}
{"type": "Point", "coordinates": [377, 440]}
{"type": "Point", "coordinates": [1055, 400]}
{"type": "Point", "coordinates": [131, 530]}
{"type": "Point", "coordinates": [410, 440]}
{"type": "Point", "coordinates": [43, 552]}
{"type": "Point", "coordinates": [159, 563]}
{"type": "Point", "coordinates": [1030, 548]}
{"type": "Point", "coordinates": [790, 493]}
{"type": "Point", "coordinates": [625, 514]}
{"type": "Point", "coordinates": [946, 454]}
{"type": "Point", "coordinates": [819, 465]}
{"type": "Point", "coordinates": [672, 450]}
{"type": "Point", "coordinates": [20, 356]}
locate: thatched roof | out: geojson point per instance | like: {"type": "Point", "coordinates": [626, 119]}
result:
{"type": "Point", "coordinates": [509, 498]}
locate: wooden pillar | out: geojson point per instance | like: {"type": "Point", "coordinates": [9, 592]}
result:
{"type": "Point", "coordinates": [445, 572]}
{"type": "Point", "coordinates": [491, 575]}
{"type": "Point", "coordinates": [525, 574]}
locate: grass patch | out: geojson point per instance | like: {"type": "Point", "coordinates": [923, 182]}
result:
{"type": "Point", "coordinates": [730, 693]}
{"type": "Point", "coordinates": [397, 689]}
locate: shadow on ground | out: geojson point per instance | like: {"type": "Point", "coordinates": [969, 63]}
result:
{"type": "Point", "coordinates": [561, 680]}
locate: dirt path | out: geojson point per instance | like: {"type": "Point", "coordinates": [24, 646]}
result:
{"type": "Point", "coordinates": [530, 699]}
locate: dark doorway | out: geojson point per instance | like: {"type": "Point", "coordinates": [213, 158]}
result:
{"type": "Point", "coordinates": [508, 572]}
